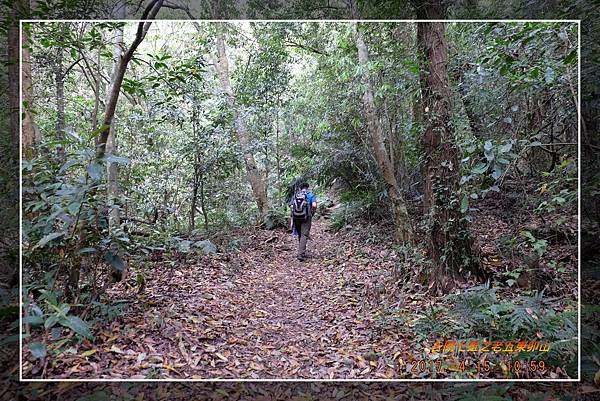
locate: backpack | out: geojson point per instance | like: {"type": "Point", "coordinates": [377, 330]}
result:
{"type": "Point", "coordinates": [300, 205]}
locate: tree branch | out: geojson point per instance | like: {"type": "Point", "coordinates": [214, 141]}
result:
{"type": "Point", "coordinates": [185, 9]}
{"type": "Point", "coordinates": [291, 43]}
{"type": "Point", "coordinates": [65, 72]}
{"type": "Point", "coordinates": [142, 30]}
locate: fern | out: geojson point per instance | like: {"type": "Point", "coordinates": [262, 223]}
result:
{"type": "Point", "coordinates": [472, 309]}
{"type": "Point", "coordinates": [522, 319]}
{"type": "Point", "coordinates": [432, 321]}
{"type": "Point", "coordinates": [478, 312]}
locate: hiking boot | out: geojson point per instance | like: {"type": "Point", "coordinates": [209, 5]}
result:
{"type": "Point", "coordinates": [301, 258]}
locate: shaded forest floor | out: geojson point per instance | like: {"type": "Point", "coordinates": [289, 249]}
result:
{"type": "Point", "coordinates": [255, 312]}
{"type": "Point", "coordinates": [258, 313]}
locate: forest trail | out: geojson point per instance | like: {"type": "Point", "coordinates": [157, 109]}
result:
{"type": "Point", "coordinates": [253, 311]}
{"type": "Point", "coordinates": [194, 132]}
{"type": "Point", "coordinates": [256, 313]}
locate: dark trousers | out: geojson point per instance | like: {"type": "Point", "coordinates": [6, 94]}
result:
{"type": "Point", "coordinates": [303, 229]}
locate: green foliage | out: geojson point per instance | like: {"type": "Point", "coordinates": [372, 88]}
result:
{"type": "Point", "coordinates": [512, 276]}
{"type": "Point", "coordinates": [476, 308]}
{"type": "Point", "coordinates": [590, 337]}
{"type": "Point", "coordinates": [55, 313]}
{"type": "Point", "coordinates": [276, 218]}
{"type": "Point", "coordinates": [65, 223]}
{"type": "Point", "coordinates": [478, 312]}
{"type": "Point", "coordinates": [484, 166]}
{"type": "Point", "coordinates": [61, 206]}
{"type": "Point", "coordinates": [356, 204]}
{"type": "Point", "coordinates": [432, 320]}
{"type": "Point", "coordinates": [38, 350]}
{"type": "Point", "coordinates": [114, 309]}
{"type": "Point", "coordinates": [297, 87]}
{"type": "Point", "coordinates": [538, 245]}
{"type": "Point", "coordinates": [558, 189]}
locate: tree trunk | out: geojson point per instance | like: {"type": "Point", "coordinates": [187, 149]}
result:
{"type": "Point", "coordinates": [400, 213]}
{"type": "Point", "coordinates": [117, 80]}
{"type": "Point", "coordinates": [97, 80]}
{"type": "Point", "coordinates": [449, 244]}
{"type": "Point", "coordinates": [31, 134]}
{"type": "Point", "coordinates": [13, 76]}
{"type": "Point", "coordinates": [203, 202]}
{"type": "Point", "coordinates": [60, 101]}
{"type": "Point", "coordinates": [431, 9]}
{"type": "Point", "coordinates": [397, 156]}
{"type": "Point", "coordinates": [266, 163]}
{"type": "Point", "coordinates": [112, 188]}
{"type": "Point", "coordinates": [195, 178]}
{"type": "Point", "coordinates": [252, 172]}
{"type": "Point", "coordinates": [115, 88]}
{"type": "Point", "coordinates": [278, 155]}
{"type": "Point", "coordinates": [193, 202]}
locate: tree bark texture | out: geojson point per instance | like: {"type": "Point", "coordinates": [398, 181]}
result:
{"type": "Point", "coordinates": [204, 209]}
{"type": "Point", "coordinates": [97, 80]}
{"type": "Point", "coordinates": [449, 244]}
{"type": "Point", "coordinates": [59, 80]}
{"type": "Point", "coordinates": [195, 177]}
{"type": "Point", "coordinates": [111, 141]}
{"type": "Point", "coordinates": [13, 77]}
{"type": "Point", "coordinates": [31, 134]}
{"type": "Point", "coordinates": [252, 172]}
{"type": "Point", "coordinates": [117, 80]}
{"type": "Point", "coordinates": [386, 168]}
{"type": "Point", "coordinates": [113, 95]}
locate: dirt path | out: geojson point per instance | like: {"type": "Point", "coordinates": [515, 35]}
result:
{"type": "Point", "coordinates": [258, 313]}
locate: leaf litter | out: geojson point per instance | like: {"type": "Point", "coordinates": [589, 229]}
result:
{"type": "Point", "coordinates": [258, 313]}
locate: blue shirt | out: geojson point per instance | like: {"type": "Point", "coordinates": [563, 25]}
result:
{"type": "Point", "coordinates": [311, 198]}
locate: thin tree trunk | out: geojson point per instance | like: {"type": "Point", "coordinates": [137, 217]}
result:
{"type": "Point", "coordinates": [449, 245]}
{"type": "Point", "coordinates": [115, 89]}
{"type": "Point", "coordinates": [196, 165]}
{"type": "Point", "coordinates": [111, 142]}
{"type": "Point", "coordinates": [396, 145]}
{"type": "Point", "coordinates": [194, 198]}
{"type": "Point", "coordinates": [417, 110]}
{"type": "Point", "coordinates": [31, 134]}
{"type": "Point", "coordinates": [390, 135]}
{"type": "Point", "coordinates": [72, 287]}
{"type": "Point", "coordinates": [13, 76]}
{"type": "Point", "coordinates": [97, 80]}
{"type": "Point", "coordinates": [60, 100]}
{"type": "Point", "coordinates": [203, 202]}
{"type": "Point", "coordinates": [252, 172]}
{"type": "Point", "coordinates": [266, 149]}
{"type": "Point", "coordinates": [277, 153]}
{"type": "Point", "coordinates": [475, 122]}
{"type": "Point", "coordinates": [400, 213]}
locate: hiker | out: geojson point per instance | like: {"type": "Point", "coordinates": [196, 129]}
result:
{"type": "Point", "coordinates": [303, 205]}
